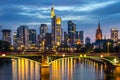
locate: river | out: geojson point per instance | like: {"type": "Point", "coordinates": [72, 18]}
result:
{"type": "Point", "coordinates": [61, 69]}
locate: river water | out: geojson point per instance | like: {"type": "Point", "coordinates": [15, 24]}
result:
{"type": "Point", "coordinates": [61, 69]}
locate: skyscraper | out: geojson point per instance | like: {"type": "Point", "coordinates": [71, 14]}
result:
{"type": "Point", "coordinates": [71, 33]}
{"type": "Point", "coordinates": [65, 38]}
{"type": "Point", "coordinates": [43, 30]}
{"type": "Point", "coordinates": [6, 35]}
{"type": "Point", "coordinates": [23, 36]}
{"type": "Point", "coordinates": [114, 34]}
{"type": "Point", "coordinates": [87, 40]}
{"type": "Point", "coordinates": [15, 39]}
{"type": "Point", "coordinates": [81, 36]}
{"type": "Point", "coordinates": [32, 37]}
{"type": "Point", "coordinates": [98, 33]}
{"type": "Point", "coordinates": [56, 28]}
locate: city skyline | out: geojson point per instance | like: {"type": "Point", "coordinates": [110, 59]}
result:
{"type": "Point", "coordinates": [85, 14]}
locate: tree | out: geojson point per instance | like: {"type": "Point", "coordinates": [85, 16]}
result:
{"type": "Point", "coordinates": [5, 46]}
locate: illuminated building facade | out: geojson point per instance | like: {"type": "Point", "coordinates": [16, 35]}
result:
{"type": "Point", "coordinates": [71, 33]}
{"type": "Point", "coordinates": [114, 34]}
{"type": "Point", "coordinates": [32, 37]}
{"type": "Point", "coordinates": [23, 36]}
{"type": "Point", "coordinates": [15, 39]}
{"type": "Point", "coordinates": [99, 32]}
{"type": "Point", "coordinates": [43, 30]}
{"type": "Point", "coordinates": [6, 35]}
{"type": "Point", "coordinates": [56, 29]}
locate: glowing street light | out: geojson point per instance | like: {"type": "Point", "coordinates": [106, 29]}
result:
{"type": "Point", "coordinates": [108, 44]}
{"type": "Point", "coordinates": [101, 56]}
{"type": "Point", "coordinates": [63, 55]}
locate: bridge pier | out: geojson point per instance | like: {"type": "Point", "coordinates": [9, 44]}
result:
{"type": "Point", "coordinates": [108, 68]}
{"type": "Point", "coordinates": [44, 69]}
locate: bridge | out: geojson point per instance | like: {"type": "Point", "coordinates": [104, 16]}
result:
{"type": "Point", "coordinates": [110, 60]}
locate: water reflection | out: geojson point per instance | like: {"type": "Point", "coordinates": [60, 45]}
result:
{"type": "Point", "coordinates": [76, 69]}
{"type": "Point", "coordinates": [23, 69]}
{"type": "Point", "coordinates": [62, 69]}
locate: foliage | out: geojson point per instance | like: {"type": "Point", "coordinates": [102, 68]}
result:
{"type": "Point", "coordinates": [4, 46]}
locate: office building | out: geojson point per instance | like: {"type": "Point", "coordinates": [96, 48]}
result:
{"type": "Point", "coordinates": [71, 33]}
{"type": "Point", "coordinates": [114, 34]}
{"type": "Point", "coordinates": [6, 35]}
{"type": "Point", "coordinates": [32, 37]}
{"type": "Point", "coordinates": [87, 40]}
{"type": "Point", "coordinates": [23, 36]}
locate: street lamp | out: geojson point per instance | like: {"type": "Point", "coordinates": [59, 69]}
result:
{"type": "Point", "coordinates": [108, 44]}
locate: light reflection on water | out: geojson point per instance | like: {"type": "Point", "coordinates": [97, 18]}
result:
{"type": "Point", "coordinates": [62, 69]}
{"type": "Point", "coordinates": [76, 69]}
{"type": "Point", "coordinates": [23, 69]}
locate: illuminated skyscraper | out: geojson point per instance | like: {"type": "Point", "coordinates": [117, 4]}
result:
{"type": "Point", "coordinates": [43, 30]}
{"type": "Point", "coordinates": [98, 33]}
{"type": "Point", "coordinates": [15, 39]}
{"type": "Point", "coordinates": [23, 36]}
{"type": "Point", "coordinates": [71, 33]}
{"type": "Point", "coordinates": [56, 28]}
{"type": "Point", "coordinates": [32, 37]}
{"type": "Point", "coordinates": [114, 34]}
{"type": "Point", "coordinates": [6, 35]}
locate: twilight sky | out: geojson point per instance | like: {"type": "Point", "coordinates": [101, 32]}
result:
{"type": "Point", "coordinates": [84, 13]}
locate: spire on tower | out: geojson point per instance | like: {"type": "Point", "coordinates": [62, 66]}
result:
{"type": "Point", "coordinates": [99, 25]}
{"type": "Point", "coordinates": [52, 11]}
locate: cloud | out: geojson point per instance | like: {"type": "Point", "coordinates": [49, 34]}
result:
{"type": "Point", "coordinates": [85, 7]}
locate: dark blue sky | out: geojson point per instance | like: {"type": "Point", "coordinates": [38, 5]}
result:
{"type": "Point", "coordinates": [85, 13]}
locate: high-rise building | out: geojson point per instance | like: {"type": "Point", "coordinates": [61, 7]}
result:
{"type": "Point", "coordinates": [71, 33]}
{"type": "Point", "coordinates": [99, 32]}
{"type": "Point", "coordinates": [65, 38]}
{"type": "Point", "coordinates": [23, 36]}
{"type": "Point", "coordinates": [43, 30]}
{"type": "Point", "coordinates": [6, 35]}
{"type": "Point", "coordinates": [81, 36]}
{"type": "Point", "coordinates": [32, 37]}
{"type": "Point", "coordinates": [48, 41]}
{"type": "Point", "coordinates": [15, 39]}
{"type": "Point", "coordinates": [114, 34]}
{"type": "Point", "coordinates": [87, 40]}
{"type": "Point", "coordinates": [56, 28]}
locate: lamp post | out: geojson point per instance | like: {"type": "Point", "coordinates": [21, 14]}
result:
{"type": "Point", "coordinates": [108, 44]}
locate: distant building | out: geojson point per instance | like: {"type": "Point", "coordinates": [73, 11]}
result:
{"type": "Point", "coordinates": [81, 36]}
{"type": "Point", "coordinates": [15, 39]}
{"type": "Point", "coordinates": [98, 32]}
{"type": "Point", "coordinates": [23, 36]}
{"type": "Point", "coordinates": [6, 35]}
{"type": "Point", "coordinates": [101, 43]}
{"type": "Point", "coordinates": [32, 37]}
{"type": "Point", "coordinates": [71, 33]}
{"type": "Point", "coordinates": [65, 38]}
{"type": "Point", "coordinates": [43, 30]}
{"type": "Point", "coordinates": [114, 34]}
{"type": "Point", "coordinates": [48, 39]}
{"type": "Point", "coordinates": [56, 28]}
{"type": "Point", "coordinates": [87, 40]}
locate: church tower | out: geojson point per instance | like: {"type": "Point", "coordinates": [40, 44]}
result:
{"type": "Point", "coordinates": [99, 32]}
